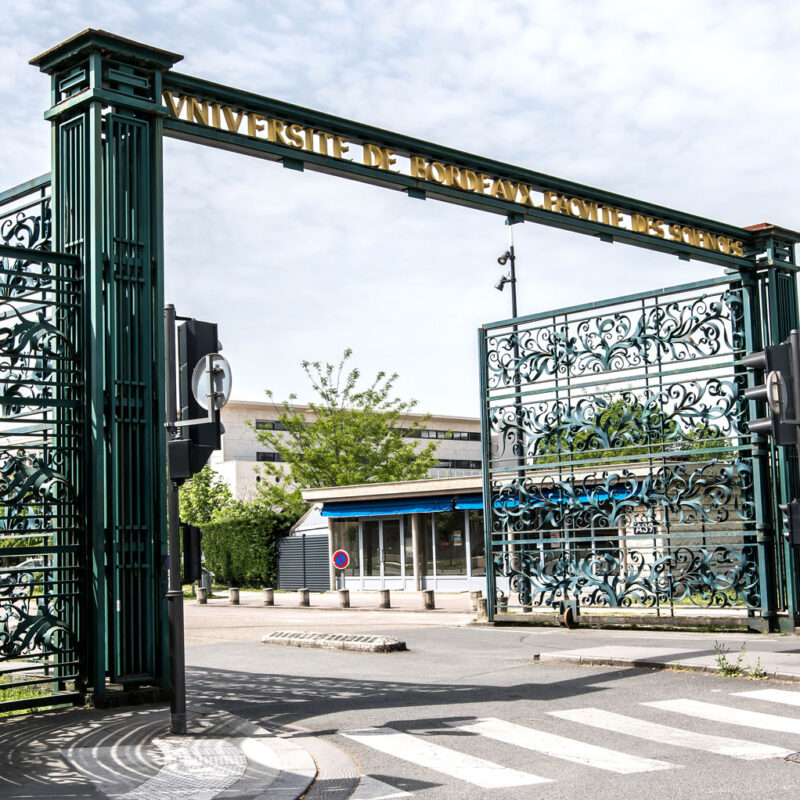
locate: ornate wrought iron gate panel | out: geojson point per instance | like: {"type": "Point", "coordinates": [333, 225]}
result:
{"type": "Point", "coordinates": [41, 434]}
{"type": "Point", "coordinates": [620, 468]}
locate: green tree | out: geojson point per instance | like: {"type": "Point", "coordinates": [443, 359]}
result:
{"type": "Point", "coordinates": [626, 427]}
{"type": "Point", "coordinates": [204, 497]}
{"type": "Point", "coordinates": [353, 434]}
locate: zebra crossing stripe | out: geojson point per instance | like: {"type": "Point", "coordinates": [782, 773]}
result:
{"type": "Point", "coordinates": [664, 734]}
{"type": "Point", "coordinates": [773, 696]}
{"type": "Point", "coordinates": [477, 771]}
{"type": "Point", "coordinates": [550, 744]}
{"type": "Point", "coordinates": [370, 788]}
{"type": "Point", "coordinates": [728, 715]}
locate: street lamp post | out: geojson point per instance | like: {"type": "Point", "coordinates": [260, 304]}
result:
{"type": "Point", "coordinates": [519, 443]}
{"type": "Point", "coordinates": [508, 258]}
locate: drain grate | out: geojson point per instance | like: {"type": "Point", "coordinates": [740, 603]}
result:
{"type": "Point", "coordinates": [336, 641]}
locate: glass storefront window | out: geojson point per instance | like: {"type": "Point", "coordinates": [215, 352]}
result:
{"type": "Point", "coordinates": [408, 545]}
{"type": "Point", "coordinates": [476, 544]}
{"type": "Point", "coordinates": [370, 530]}
{"type": "Point", "coordinates": [425, 546]}
{"type": "Point", "coordinates": [345, 537]}
{"type": "Point", "coordinates": [451, 543]}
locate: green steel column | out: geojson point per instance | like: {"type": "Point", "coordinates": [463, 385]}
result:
{"type": "Point", "coordinates": [107, 137]}
{"type": "Point", "coordinates": [486, 447]}
{"type": "Point", "coordinates": [762, 495]}
{"type": "Point", "coordinates": [783, 317]}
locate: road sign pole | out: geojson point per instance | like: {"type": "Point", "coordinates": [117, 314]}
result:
{"type": "Point", "coordinates": [177, 658]}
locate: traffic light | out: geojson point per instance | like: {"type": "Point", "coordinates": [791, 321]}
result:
{"type": "Point", "coordinates": [779, 364]}
{"type": "Point", "coordinates": [196, 340]}
{"type": "Point", "coordinates": [791, 513]}
{"type": "Point", "coordinates": [192, 553]}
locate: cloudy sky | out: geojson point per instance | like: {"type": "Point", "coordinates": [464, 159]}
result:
{"type": "Point", "coordinates": [691, 105]}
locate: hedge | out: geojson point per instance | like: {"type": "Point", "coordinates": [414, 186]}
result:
{"type": "Point", "coordinates": [242, 549]}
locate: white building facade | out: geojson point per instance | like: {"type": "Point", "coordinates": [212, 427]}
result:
{"type": "Point", "coordinates": [458, 446]}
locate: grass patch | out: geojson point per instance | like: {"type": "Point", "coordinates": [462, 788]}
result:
{"type": "Point", "coordinates": [738, 669]}
{"type": "Point", "coordinates": [727, 668]}
{"type": "Point", "coordinates": [9, 690]}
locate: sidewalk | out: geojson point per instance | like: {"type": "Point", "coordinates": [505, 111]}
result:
{"type": "Point", "coordinates": [128, 754]}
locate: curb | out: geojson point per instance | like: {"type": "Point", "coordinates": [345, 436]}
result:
{"type": "Point", "coordinates": [637, 663]}
{"type": "Point", "coordinates": [296, 768]}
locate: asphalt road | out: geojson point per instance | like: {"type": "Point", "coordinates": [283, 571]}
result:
{"type": "Point", "coordinates": [426, 722]}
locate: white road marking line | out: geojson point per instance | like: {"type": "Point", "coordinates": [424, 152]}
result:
{"type": "Point", "coordinates": [773, 696]}
{"type": "Point", "coordinates": [550, 744]}
{"type": "Point", "coordinates": [731, 716]}
{"type": "Point", "coordinates": [664, 734]}
{"type": "Point", "coordinates": [478, 771]}
{"type": "Point", "coordinates": [370, 788]}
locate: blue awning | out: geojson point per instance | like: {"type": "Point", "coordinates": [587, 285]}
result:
{"type": "Point", "coordinates": [385, 508]}
{"type": "Point", "coordinates": [469, 501]}
{"type": "Point", "coordinates": [422, 505]}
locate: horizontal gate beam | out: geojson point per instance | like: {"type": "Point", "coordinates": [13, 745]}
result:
{"type": "Point", "coordinates": [220, 116]}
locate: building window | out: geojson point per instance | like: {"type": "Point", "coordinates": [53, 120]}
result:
{"type": "Point", "coordinates": [458, 463]}
{"type": "Point", "coordinates": [345, 537]}
{"type": "Point", "coordinates": [464, 436]}
{"type": "Point", "coordinates": [425, 546]}
{"type": "Point", "coordinates": [477, 559]}
{"type": "Point", "coordinates": [269, 425]}
{"type": "Point", "coordinates": [264, 456]}
{"type": "Point", "coordinates": [451, 543]}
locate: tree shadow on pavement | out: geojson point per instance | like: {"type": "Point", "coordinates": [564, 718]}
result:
{"type": "Point", "coordinates": [287, 699]}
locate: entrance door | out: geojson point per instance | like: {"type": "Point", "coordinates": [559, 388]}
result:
{"type": "Point", "coordinates": [383, 561]}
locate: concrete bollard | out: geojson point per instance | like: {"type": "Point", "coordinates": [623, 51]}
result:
{"type": "Point", "coordinates": [482, 608]}
{"type": "Point", "coordinates": [344, 598]}
{"type": "Point", "coordinates": [269, 597]}
{"type": "Point", "coordinates": [385, 601]}
{"type": "Point", "coordinates": [473, 600]}
{"type": "Point", "coordinates": [428, 602]}
{"type": "Point", "coordinates": [302, 598]}
{"type": "Point", "coordinates": [233, 596]}
{"type": "Point", "coordinates": [202, 596]}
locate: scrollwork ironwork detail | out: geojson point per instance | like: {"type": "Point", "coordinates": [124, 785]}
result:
{"type": "Point", "coordinates": [30, 625]}
{"type": "Point", "coordinates": [697, 576]}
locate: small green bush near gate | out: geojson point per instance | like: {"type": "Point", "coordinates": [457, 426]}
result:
{"type": "Point", "coordinates": [10, 691]}
{"type": "Point", "coordinates": [241, 548]}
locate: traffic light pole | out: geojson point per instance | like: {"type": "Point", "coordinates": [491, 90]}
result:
{"type": "Point", "coordinates": [177, 706]}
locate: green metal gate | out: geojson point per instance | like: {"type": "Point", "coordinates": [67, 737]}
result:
{"type": "Point", "coordinates": [42, 530]}
{"type": "Point", "coordinates": [619, 469]}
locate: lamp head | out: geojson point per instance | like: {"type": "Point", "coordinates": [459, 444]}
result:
{"type": "Point", "coordinates": [500, 285]}
{"type": "Point", "coordinates": [504, 258]}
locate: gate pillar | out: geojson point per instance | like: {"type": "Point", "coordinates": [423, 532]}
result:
{"type": "Point", "coordinates": [106, 119]}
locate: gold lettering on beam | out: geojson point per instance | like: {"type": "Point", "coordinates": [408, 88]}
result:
{"type": "Point", "coordinates": [324, 140]}
{"type": "Point", "coordinates": [196, 111]}
{"type": "Point", "coordinates": [233, 119]}
{"type": "Point", "coordinates": [298, 136]}
{"type": "Point", "coordinates": [293, 135]}
{"type": "Point", "coordinates": [371, 155]}
{"type": "Point", "coordinates": [340, 146]}
{"type": "Point", "coordinates": [255, 123]}
{"type": "Point", "coordinates": [169, 102]}
{"type": "Point", "coordinates": [275, 131]}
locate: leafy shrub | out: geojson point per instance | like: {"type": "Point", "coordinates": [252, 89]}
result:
{"type": "Point", "coordinates": [241, 548]}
